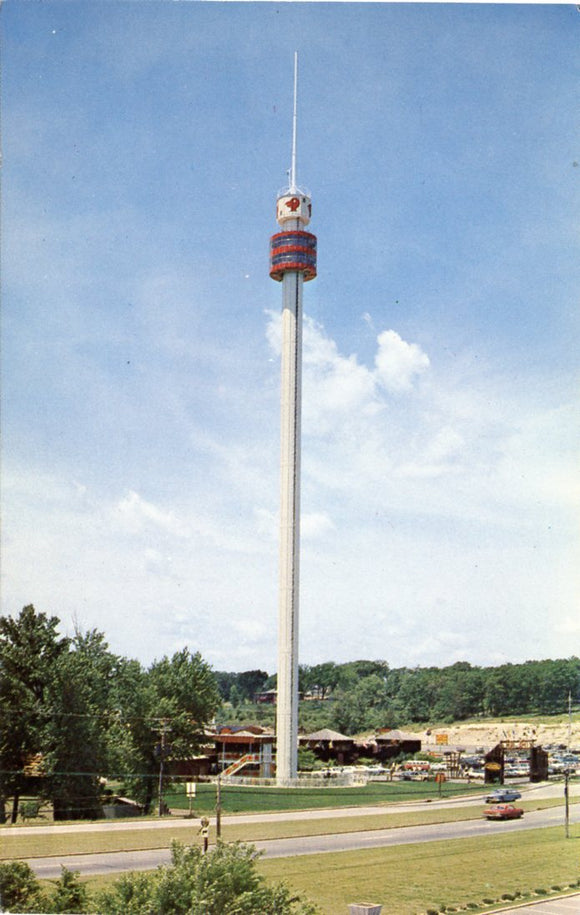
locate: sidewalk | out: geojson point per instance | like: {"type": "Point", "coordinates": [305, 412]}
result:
{"type": "Point", "coordinates": [560, 905]}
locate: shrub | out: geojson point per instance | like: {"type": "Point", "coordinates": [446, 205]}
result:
{"type": "Point", "coordinates": [70, 895]}
{"type": "Point", "coordinates": [130, 895]}
{"type": "Point", "coordinates": [222, 882]}
{"type": "Point", "coordinates": [29, 810]}
{"type": "Point", "coordinates": [19, 888]}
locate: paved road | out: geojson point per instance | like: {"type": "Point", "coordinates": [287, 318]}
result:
{"type": "Point", "coordinates": [529, 793]}
{"type": "Point", "coordinates": [564, 905]}
{"type": "Point", "coordinates": [111, 863]}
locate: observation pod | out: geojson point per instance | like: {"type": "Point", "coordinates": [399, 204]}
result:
{"type": "Point", "coordinates": [291, 207]}
{"type": "Point", "coordinates": [293, 250]}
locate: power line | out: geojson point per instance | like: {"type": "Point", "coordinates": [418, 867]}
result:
{"type": "Point", "coordinates": [117, 715]}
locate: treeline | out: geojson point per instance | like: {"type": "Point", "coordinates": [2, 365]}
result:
{"type": "Point", "coordinates": [72, 712]}
{"type": "Point", "coordinates": [366, 694]}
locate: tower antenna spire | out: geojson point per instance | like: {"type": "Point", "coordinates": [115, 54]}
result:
{"type": "Point", "coordinates": [294, 126]}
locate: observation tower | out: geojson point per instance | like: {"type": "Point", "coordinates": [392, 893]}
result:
{"type": "Point", "coordinates": [292, 263]}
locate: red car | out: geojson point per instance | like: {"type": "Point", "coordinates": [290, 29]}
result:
{"type": "Point", "coordinates": [503, 812]}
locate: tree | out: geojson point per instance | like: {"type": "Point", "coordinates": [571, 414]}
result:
{"type": "Point", "coordinates": [77, 748]}
{"type": "Point", "coordinates": [85, 713]}
{"type": "Point", "coordinates": [365, 707]}
{"type": "Point", "coordinates": [324, 678]}
{"type": "Point", "coordinates": [20, 891]}
{"type": "Point", "coordinates": [30, 649]}
{"type": "Point", "coordinates": [176, 697]}
{"type": "Point", "coordinates": [225, 680]}
{"type": "Point", "coordinates": [556, 681]}
{"type": "Point", "coordinates": [415, 695]}
{"type": "Point", "coordinates": [223, 882]}
{"type": "Point", "coordinates": [459, 693]}
{"type": "Point", "coordinates": [250, 682]}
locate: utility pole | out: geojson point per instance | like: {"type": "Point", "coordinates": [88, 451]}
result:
{"type": "Point", "coordinates": [218, 807]}
{"type": "Point", "coordinates": [567, 802]}
{"type": "Point", "coordinates": [162, 730]}
{"type": "Point", "coordinates": [567, 772]}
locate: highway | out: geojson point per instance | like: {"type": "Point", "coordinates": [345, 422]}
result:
{"type": "Point", "coordinates": [119, 862]}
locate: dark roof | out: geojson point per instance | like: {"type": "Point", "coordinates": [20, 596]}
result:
{"type": "Point", "coordinates": [326, 734]}
{"type": "Point", "coordinates": [398, 737]}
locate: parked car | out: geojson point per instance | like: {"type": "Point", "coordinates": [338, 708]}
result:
{"type": "Point", "coordinates": [502, 796]}
{"type": "Point", "coordinates": [503, 812]}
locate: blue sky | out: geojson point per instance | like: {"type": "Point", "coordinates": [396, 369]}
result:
{"type": "Point", "coordinates": [143, 144]}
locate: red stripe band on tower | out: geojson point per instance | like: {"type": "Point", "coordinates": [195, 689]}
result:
{"type": "Point", "coordinates": [293, 251]}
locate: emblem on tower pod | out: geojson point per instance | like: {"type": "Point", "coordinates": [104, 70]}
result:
{"type": "Point", "coordinates": [292, 207]}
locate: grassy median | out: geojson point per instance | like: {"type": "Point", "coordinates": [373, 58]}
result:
{"type": "Point", "coordinates": [469, 875]}
{"type": "Point", "coordinates": [472, 874]}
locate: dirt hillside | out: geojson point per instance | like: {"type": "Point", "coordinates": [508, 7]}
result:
{"type": "Point", "coordinates": [488, 734]}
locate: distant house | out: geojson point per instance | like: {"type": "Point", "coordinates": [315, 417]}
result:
{"type": "Point", "coordinates": [121, 807]}
{"type": "Point", "coordinates": [391, 743]}
{"type": "Point", "coordinates": [267, 697]}
{"type": "Point", "coordinates": [329, 745]}
{"type": "Point", "coordinates": [192, 766]}
{"type": "Point", "coordinates": [245, 751]}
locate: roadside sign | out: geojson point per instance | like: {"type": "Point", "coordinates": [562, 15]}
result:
{"type": "Point", "coordinates": [440, 778]}
{"type": "Point", "coordinates": [190, 789]}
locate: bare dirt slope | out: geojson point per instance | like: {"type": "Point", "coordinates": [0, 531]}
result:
{"type": "Point", "coordinates": [489, 733]}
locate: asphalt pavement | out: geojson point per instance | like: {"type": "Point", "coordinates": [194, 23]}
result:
{"type": "Point", "coordinates": [179, 818]}
{"type": "Point", "coordinates": [560, 905]}
{"type": "Point", "coordinates": [118, 862]}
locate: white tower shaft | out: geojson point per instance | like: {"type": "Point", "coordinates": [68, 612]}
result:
{"type": "Point", "coordinates": [292, 262]}
{"type": "Point", "coordinates": [290, 418]}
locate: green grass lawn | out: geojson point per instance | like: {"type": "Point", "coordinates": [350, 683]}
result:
{"type": "Point", "coordinates": [412, 879]}
{"type": "Point", "coordinates": [258, 799]}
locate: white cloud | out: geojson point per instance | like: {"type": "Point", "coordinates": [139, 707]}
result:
{"type": "Point", "coordinates": [315, 525]}
{"type": "Point", "coordinates": [136, 513]}
{"type": "Point", "coordinates": [337, 388]}
{"type": "Point", "coordinates": [398, 362]}
{"type": "Point", "coordinates": [569, 626]}
{"type": "Point", "coordinates": [427, 518]}
{"type": "Point", "coordinates": [267, 523]}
